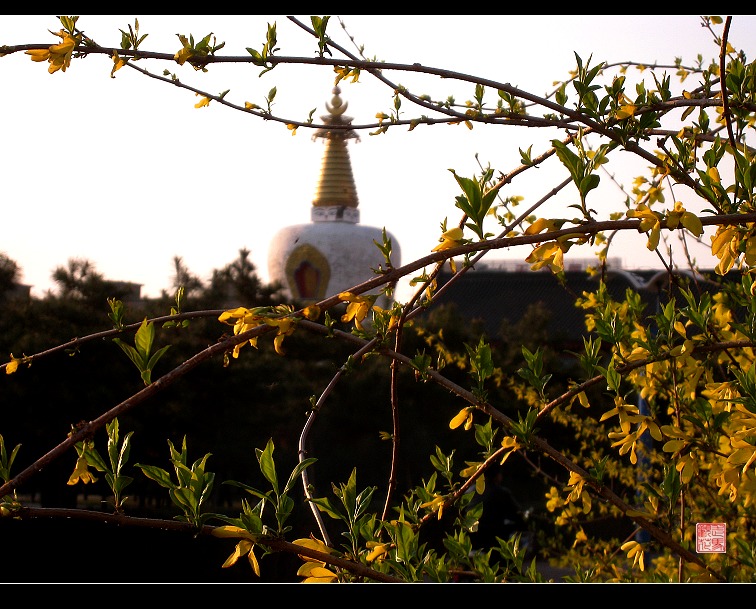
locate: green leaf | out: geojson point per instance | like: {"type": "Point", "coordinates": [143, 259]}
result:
{"type": "Point", "coordinates": [246, 487]}
{"type": "Point", "coordinates": [144, 337]}
{"type": "Point", "coordinates": [121, 482]}
{"type": "Point", "coordinates": [123, 455]}
{"type": "Point", "coordinates": [95, 460]}
{"type": "Point", "coordinates": [405, 541]}
{"type": "Point", "coordinates": [349, 494]}
{"type": "Point", "coordinates": [324, 505]}
{"type": "Point", "coordinates": [183, 498]}
{"type": "Point", "coordinates": [296, 472]}
{"type": "Point", "coordinates": [156, 356]}
{"type": "Point", "coordinates": [285, 508]}
{"type": "Point", "coordinates": [569, 159]}
{"type": "Point", "coordinates": [268, 466]}
{"type": "Point", "coordinates": [488, 199]}
{"type": "Point", "coordinates": [256, 57]}
{"type": "Point", "coordinates": [183, 474]}
{"type": "Point", "coordinates": [613, 378]}
{"type": "Point", "coordinates": [472, 198]}
{"type": "Point", "coordinates": [157, 474]}
{"type": "Point", "coordinates": [588, 183]}
{"type": "Point", "coordinates": [362, 502]}
{"type": "Point", "coordinates": [131, 352]}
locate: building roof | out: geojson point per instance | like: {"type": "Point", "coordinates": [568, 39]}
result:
{"type": "Point", "coordinates": [493, 296]}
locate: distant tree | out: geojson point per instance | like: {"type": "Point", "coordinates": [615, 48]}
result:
{"type": "Point", "coordinates": [184, 278]}
{"type": "Point", "coordinates": [238, 281]}
{"type": "Point", "coordinates": [80, 280]}
{"type": "Point", "coordinates": [10, 274]}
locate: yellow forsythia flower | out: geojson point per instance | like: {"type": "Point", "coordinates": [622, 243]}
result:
{"type": "Point", "coordinates": [186, 52]}
{"type": "Point", "coordinates": [311, 312]}
{"type": "Point", "coordinates": [580, 537]}
{"type": "Point", "coordinates": [285, 328]}
{"type": "Point", "coordinates": [203, 103]}
{"type": "Point", "coordinates": [81, 473]}
{"type": "Point", "coordinates": [555, 501]}
{"type": "Point", "coordinates": [437, 502]}
{"type": "Point", "coordinates": [688, 219]}
{"type": "Point", "coordinates": [449, 239]}
{"type": "Point", "coordinates": [118, 63]}
{"type": "Point", "coordinates": [547, 254]}
{"type": "Point", "coordinates": [471, 468]}
{"type": "Point", "coordinates": [358, 307]}
{"type": "Point", "coordinates": [316, 573]}
{"type": "Point", "coordinates": [182, 55]}
{"type": "Point", "coordinates": [231, 531]}
{"type": "Point", "coordinates": [649, 221]}
{"type": "Point", "coordinates": [463, 416]}
{"type": "Point", "coordinates": [510, 442]}
{"type": "Point", "coordinates": [246, 320]}
{"type": "Point", "coordinates": [624, 112]}
{"type": "Point", "coordinates": [314, 544]}
{"type": "Point", "coordinates": [635, 551]}
{"type": "Point", "coordinates": [245, 546]}
{"type": "Point", "coordinates": [724, 245]}
{"type": "Point", "coordinates": [542, 224]}
{"type": "Point", "coordinates": [12, 365]}
{"type": "Point", "coordinates": [379, 550]}
{"type": "Point", "coordinates": [58, 55]}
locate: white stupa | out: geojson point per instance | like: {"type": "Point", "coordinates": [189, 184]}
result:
{"type": "Point", "coordinates": [333, 252]}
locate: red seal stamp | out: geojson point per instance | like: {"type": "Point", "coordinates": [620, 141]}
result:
{"type": "Point", "coordinates": [711, 537]}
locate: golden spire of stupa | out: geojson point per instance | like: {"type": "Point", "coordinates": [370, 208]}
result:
{"type": "Point", "coordinates": [336, 186]}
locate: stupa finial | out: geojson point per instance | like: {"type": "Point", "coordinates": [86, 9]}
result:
{"type": "Point", "coordinates": [338, 106]}
{"type": "Point", "coordinates": [335, 119]}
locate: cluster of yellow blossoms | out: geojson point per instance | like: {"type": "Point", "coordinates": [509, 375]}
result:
{"type": "Point", "coordinates": [58, 55]}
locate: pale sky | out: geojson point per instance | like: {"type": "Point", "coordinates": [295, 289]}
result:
{"type": "Point", "coordinates": [127, 173]}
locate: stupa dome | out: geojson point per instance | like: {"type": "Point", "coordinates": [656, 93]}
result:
{"type": "Point", "coordinates": [333, 252]}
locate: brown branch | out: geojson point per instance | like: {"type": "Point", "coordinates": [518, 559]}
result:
{"type": "Point", "coordinates": [308, 490]}
{"type": "Point", "coordinates": [723, 83]}
{"type": "Point", "coordinates": [76, 343]}
{"type": "Point", "coordinates": [276, 545]}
